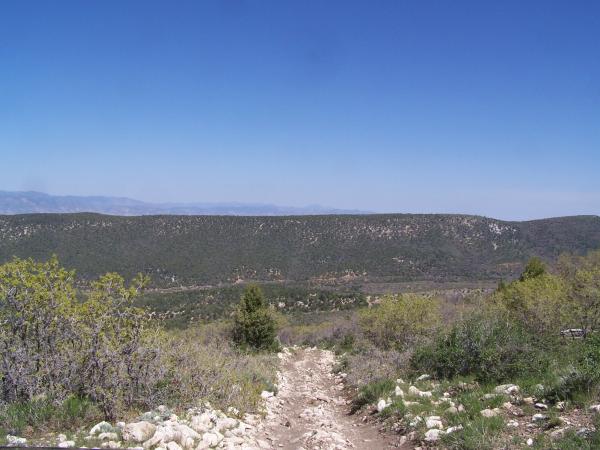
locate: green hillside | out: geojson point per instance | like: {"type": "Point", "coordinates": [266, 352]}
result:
{"type": "Point", "coordinates": [189, 250]}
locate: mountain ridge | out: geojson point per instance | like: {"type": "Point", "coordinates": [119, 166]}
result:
{"type": "Point", "coordinates": [211, 250]}
{"type": "Point", "coordinates": [31, 202]}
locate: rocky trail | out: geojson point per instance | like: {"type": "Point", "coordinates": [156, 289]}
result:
{"type": "Point", "coordinates": [310, 411]}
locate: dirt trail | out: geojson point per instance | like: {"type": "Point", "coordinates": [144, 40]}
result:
{"type": "Point", "coordinates": [310, 412]}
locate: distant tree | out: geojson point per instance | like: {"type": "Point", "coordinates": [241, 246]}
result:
{"type": "Point", "coordinates": [535, 267]}
{"type": "Point", "coordinates": [253, 325]}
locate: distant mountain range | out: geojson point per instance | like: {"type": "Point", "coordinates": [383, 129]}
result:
{"type": "Point", "coordinates": [37, 202]}
{"type": "Point", "coordinates": [200, 250]}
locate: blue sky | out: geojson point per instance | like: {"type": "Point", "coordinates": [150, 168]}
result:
{"type": "Point", "coordinates": [482, 107]}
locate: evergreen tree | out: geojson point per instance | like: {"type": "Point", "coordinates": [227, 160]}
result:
{"type": "Point", "coordinates": [253, 325]}
{"type": "Point", "coordinates": [534, 268]}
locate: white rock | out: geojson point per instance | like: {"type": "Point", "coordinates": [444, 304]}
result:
{"type": "Point", "coordinates": [416, 421]}
{"type": "Point", "coordinates": [66, 444]}
{"type": "Point", "coordinates": [453, 429]}
{"type": "Point", "coordinates": [541, 406]}
{"type": "Point", "coordinates": [61, 438]}
{"type": "Point", "coordinates": [529, 442]}
{"type": "Point", "coordinates": [173, 446]}
{"type": "Point", "coordinates": [173, 431]}
{"type": "Point", "coordinates": [102, 427]}
{"type": "Point", "coordinates": [507, 389]}
{"type": "Point", "coordinates": [138, 431]}
{"type": "Point", "coordinates": [414, 391]}
{"type": "Point", "coordinates": [434, 422]}
{"type": "Point", "coordinates": [452, 410]}
{"type": "Point", "coordinates": [15, 440]}
{"type": "Point", "coordinates": [399, 392]}
{"type": "Point", "coordinates": [539, 417]}
{"type": "Point", "coordinates": [399, 381]}
{"type": "Point", "coordinates": [423, 377]}
{"type": "Point", "coordinates": [381, 405]}
{"type": "Point", "coordinates": [595, 408]}
{"type": "Point", "coordinates": [108, 436]}
{"type": "Point", "coordinates": [512, 424]}
{"type": "Point", "coordinates": [266, 394]}
{"type": "Point", "coordinates": [433, 435]}
{"type": "Point", "coordinates": [490, 412]}
{"type": "Point", "coordinates": [210, 438]}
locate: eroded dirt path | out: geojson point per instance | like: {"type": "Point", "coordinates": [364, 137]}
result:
{"type": "Point", "coordinates": [310, 412]}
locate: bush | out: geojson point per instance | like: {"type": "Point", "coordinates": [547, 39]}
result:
{"type": "Point", "coordinates": [253, 324]}
{"type": "Point", "coordinates": [400, 321]}
{"type": "Point", "coordinates": [56, 345]}
{"type": "Point", "coordinates": [582, 376]}
{"type": "Point", "coordinates": [488, 347]}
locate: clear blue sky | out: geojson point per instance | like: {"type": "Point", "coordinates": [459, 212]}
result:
{"type": "Point", "coordinates": [484, 107]}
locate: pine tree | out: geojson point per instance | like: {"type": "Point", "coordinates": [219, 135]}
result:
{"type": "Point", "coordinates": [253, 325]}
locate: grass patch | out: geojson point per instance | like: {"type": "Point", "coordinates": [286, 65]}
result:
{"type": "Point", "coordinates": [371, 393]}
{"type": "Point", "coordinates": [44, 414]}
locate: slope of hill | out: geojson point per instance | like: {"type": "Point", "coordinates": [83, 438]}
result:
{"type": "Point", "coordinates": [191, 250]}
{"type": "Point", "coordinates": [37, 202]}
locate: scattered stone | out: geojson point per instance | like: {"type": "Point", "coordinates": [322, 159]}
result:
{"type": "Point", "coordinates": [461, 408]}
{"type": "Point", "coordinates": [507, 389]}
{"type": "Point", "coordinates": [453, 429]}
{"type": "Point", "coordinates": [561, 406]}
{"type": "Point", "coordinates": [399, 392]}
{"type": "Point", "coordinates": [539, 417]}
{"type": "Point", "coordinates": [138, 431]}
{"type": "Point", "coordinates": [595, 408]}
{"type": "Point", "coordinates": [512, 424]}
{"type": "Point", "coordinates": [541, 406]}
{"type": "Point", "coordinates": [109, 436]}
{"type": "Point", "coordinates": [452, 410]}
{"type": "Point", "coordinates": [433, 435]}
{"type": "Point", "coordinates": [490, 412]}
{"type": "Point", "coordinates": [267, 394]}
{"type": "Point", "coordinates": [101, 427]}
{"type": "Point", "coordinates": [15, 440]}
{"type": "Point", "coordinates": [173, 446]}
{"type": "Point", "coordinates": [66, 444]}
{"type": "Point", "coordinates": [434, 422]}
{"type": "Point", "coordinates": [528, 400]}
{"type": "Point", "coordinates": [559, 433]}
{"type": "Point", "coordinates": [529, 442]}
{"type": "Point", "coordinates": [381, 405]}
{"type": "Point", "coordinates": [423, 377]}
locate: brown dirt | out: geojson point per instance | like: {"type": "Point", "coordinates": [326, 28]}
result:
{"type": "Point", "coordinates": [310, 411]}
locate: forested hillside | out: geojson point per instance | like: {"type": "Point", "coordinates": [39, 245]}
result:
{"type": "Point", "coordinates": [187, 250]}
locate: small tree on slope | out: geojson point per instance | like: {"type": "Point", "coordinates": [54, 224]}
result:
{"type": "Point", "coordinates": [253, 325]}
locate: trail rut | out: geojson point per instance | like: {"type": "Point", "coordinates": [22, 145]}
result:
{"type": "Point", "coordinates": [310, 411]}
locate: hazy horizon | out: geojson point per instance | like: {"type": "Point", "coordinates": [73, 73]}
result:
{"type": "Point", "coordinates": [464, 107]}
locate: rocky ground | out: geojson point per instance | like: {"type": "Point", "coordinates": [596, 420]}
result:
{"type": "Point", "coordinates": [309, 411]}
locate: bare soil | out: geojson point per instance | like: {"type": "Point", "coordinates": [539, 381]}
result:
{"type": "Point", "coordinates": [311, 412]}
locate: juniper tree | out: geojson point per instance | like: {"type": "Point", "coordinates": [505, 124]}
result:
{"type": "Point", "coordinates": [253, 325]}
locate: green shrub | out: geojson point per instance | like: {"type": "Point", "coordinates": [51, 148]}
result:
{"type": "Point", "coordinates": [400, 321]}
{"type": "Point", "coordinates": [488, 347]}
{"type": "Point", "coordinates": [253, 325]}
{"type": "Point", "coordinates": [582, 376]}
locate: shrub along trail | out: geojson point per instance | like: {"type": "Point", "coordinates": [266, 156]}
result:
{"type": "Point", "coordinates": [310, 412]}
